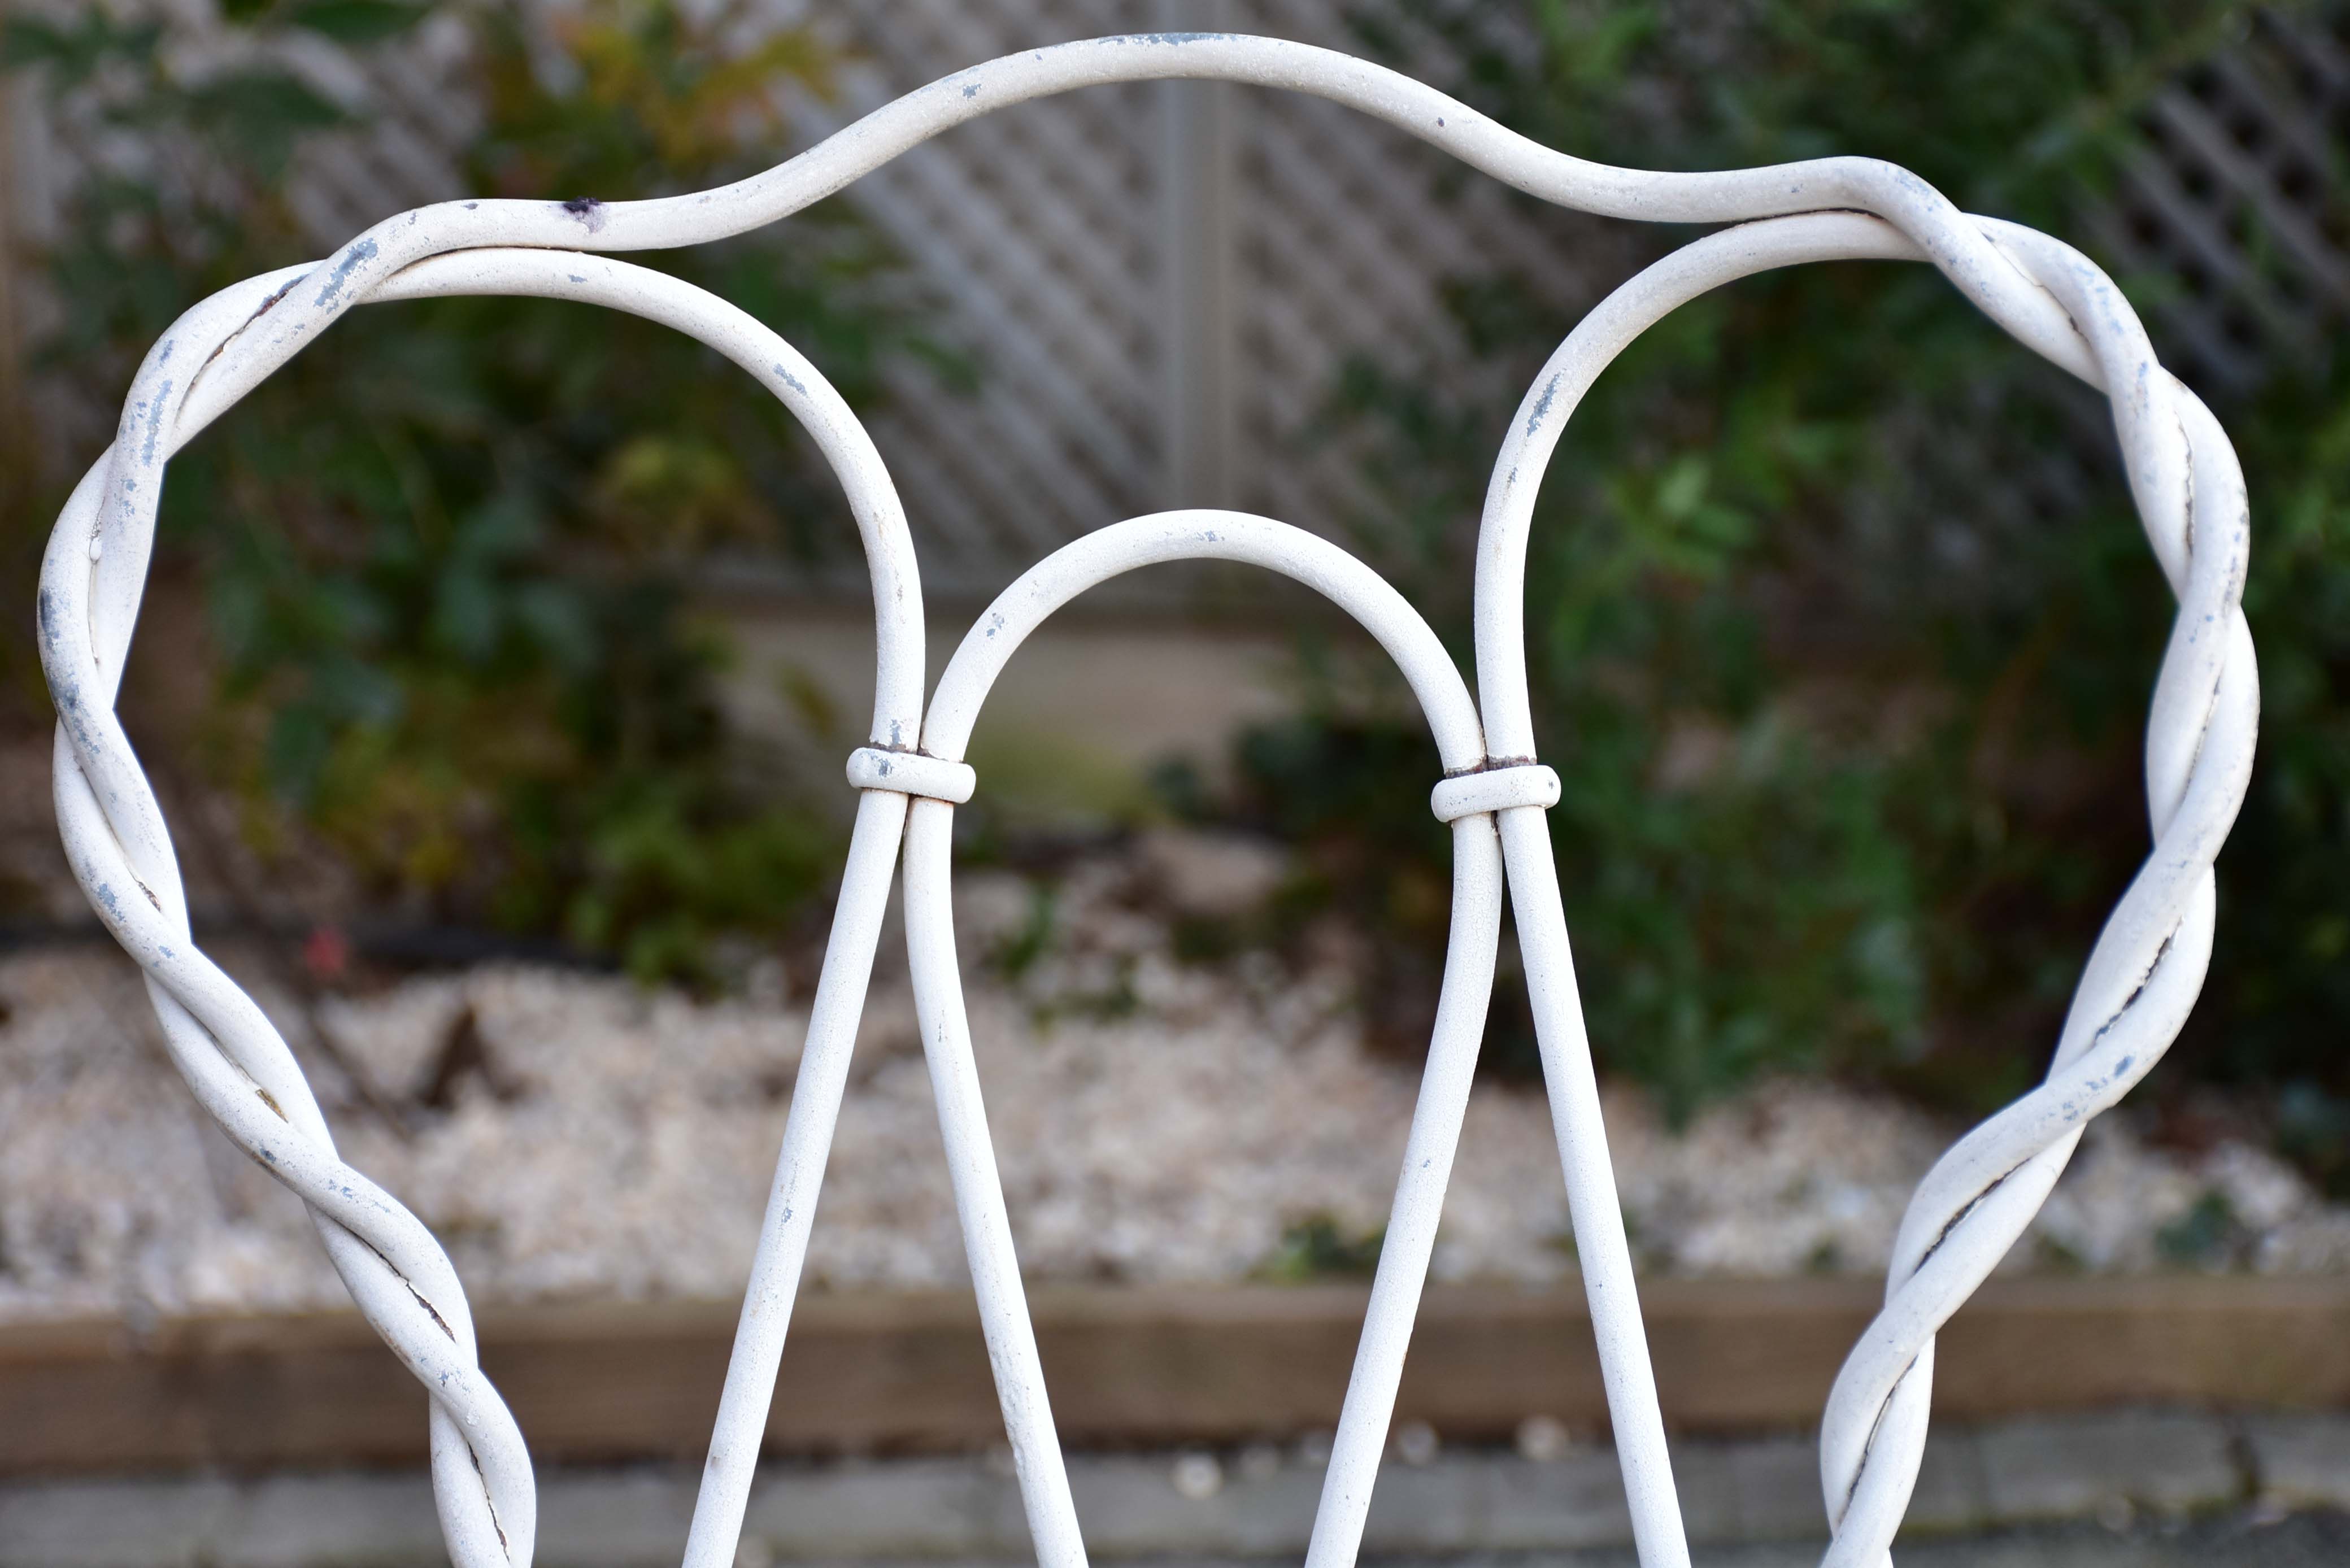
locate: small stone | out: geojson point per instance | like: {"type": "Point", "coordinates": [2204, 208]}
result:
{"type": "Point", "coordinates": [2266, 1513]}
{"type": "Point", "coordinates": [1543, 1440]}
{"type": "Point", "coordinates": [1415, 1443]}
{"type": "Point", "coordinates": [1197, 1476]}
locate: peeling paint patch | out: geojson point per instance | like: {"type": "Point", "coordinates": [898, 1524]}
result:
{"type": "Point", "coordinates": [1542, 411]}
{"type": "Point", "coordinates": [588, 210]}
{"type": "Point", "coordinates": [794, 382]}
{"type": "Point", "coordinates": [353, 259]}
{"type": "Point", "coordinates": [154, 423]}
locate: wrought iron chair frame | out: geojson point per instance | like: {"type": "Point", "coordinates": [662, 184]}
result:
{"type": "Point", "coordinates": [2140, 979]}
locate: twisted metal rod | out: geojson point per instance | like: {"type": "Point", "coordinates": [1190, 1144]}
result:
{"type": "Point", "coordinates": [2146, 967]}
{"type": "Point", "coordinates": [2141, 977]}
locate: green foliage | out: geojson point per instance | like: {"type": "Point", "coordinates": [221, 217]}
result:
{"type": "Point", "coordinates": [2005, 106]}
{"type": "Point", "coordinates": [2314, 1132]}
{"type": "Point", "coordinates": [446, 550]}
{"type": "Point", "coordinates": [2281, 966]}
{"type": "Point", "coordinates": [1848, 735]}
{"type": "Point", "coordinates": [2208, 1236]}
{"type": "Point", "coordinates": [1019, 953]}
{"type": "Point", "coordinates": [1353, 795]}
{"type": "Point", "coordinates": [1320, 1247]}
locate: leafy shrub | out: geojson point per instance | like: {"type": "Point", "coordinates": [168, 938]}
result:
{"type": "Point", "coordinates": [447, 550]}
{"type": "Point", "coordinates": [1840, 626]}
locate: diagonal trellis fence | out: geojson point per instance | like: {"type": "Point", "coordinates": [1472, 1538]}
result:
{"type": "Point", "coordinates": [2140, 979]}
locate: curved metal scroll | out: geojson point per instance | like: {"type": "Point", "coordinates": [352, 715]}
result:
{"type": "Point", "coordinates": [2141, 978]}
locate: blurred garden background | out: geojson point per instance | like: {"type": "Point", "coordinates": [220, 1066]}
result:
{"type": "Point", "coordinates": [500, 656]}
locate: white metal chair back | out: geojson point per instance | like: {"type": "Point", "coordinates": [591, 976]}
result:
{"type": "Point", "coordinates": [2141, 978]}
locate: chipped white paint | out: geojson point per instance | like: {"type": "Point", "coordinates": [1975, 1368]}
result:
{"type": "Point", "coordinates": [2142, 976]}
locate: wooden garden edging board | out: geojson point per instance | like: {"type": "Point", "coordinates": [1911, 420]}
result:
{"type": "Point", "coordinates": [881, 1373]}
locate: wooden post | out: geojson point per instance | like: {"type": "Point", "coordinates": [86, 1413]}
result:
{"type": "Point", "coordinates": [1197, 258]}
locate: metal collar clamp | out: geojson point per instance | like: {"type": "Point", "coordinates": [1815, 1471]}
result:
{"type": "Point", "coordinates": [1494, 789]}
{"type": "Point", "coordinates": [911, 773]}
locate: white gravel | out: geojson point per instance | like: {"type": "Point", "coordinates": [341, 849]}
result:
{"type": "Point", "coordinates": [1154, 1121]}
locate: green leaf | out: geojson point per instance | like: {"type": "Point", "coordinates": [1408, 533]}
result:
{"type": "Point", "coordinates": [468, 616]}
{"type": "Point", "coordinates": [1683, 487]}
{"type": "Point", "coordinates": [25, 41]}
{"type": "Point", "coordinates": [356, 21]}
{"type": "Point", "coordinates": [73, 53]}
{"type": "Point", "coordinates": [260, 116]}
